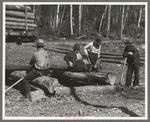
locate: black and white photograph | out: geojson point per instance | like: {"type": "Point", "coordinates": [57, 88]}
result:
{"type": "Point", "coordinates": [75, 61]}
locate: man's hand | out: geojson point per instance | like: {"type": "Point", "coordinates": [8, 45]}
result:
{"type": "Point", "coordinates": [70, 64]}
{"type": "Point", "coordinates": [130, 53]}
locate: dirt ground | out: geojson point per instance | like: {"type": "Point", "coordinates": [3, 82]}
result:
{"type": "Point", "coordinates": [124, 103]}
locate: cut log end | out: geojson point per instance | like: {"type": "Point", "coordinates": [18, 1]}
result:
{"type": "Point", "coordinates": [37, 94]}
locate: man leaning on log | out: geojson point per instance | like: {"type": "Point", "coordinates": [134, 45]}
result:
{"type": "Point", "coordinates": [40, 65]}
{"type": "Point", "coordinates": [76, 61]}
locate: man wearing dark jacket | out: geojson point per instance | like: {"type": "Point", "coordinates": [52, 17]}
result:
{"type": "Point", "coordinates": [133, 60]}
{"type": "Point", "coordinates": [73, 56]}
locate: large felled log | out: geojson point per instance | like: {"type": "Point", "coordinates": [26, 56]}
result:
{"type": "Point", "coordinates": [19, 14]}
{"type": "Point", "coordinates": [20, 24]}
{"type": "Point", "coordinates": [51, 84]}
{"type": "Point", "coordinates": [18, 8]}
{"type": "Point", "coordinates": [82, 76]}
{"type": "Point", "coordinates": [18, 27]}
{"type": "Point", "coordinates": [13, 19]}
{"type": "Point", "coordinates": [91, 77]}
{"type": "Point", "coordinates": [48, 84]}
{"type": "Point", "coordinates": [106, 89]}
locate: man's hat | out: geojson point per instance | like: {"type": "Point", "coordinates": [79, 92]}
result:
{"type": "Point", "coordinates": [77, 47]}
{"type": "Point", "coordinates": [40, 42]}
{"type": "Point", "coordinates": [98, 40]}
{"type": "Point", "coordinates": [129, 42]}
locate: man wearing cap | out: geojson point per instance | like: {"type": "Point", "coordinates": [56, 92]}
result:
{"type": "Point", "coordinates": [73, 56]}
{"type": "Point", "coordinates": [133, 60]}
{"type": "Point", "coordinates": [40, 65]}
{"type": "Point", "coordinates": [92, 51]}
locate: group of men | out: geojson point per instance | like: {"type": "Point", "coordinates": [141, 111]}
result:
{"type": "Point", "coordinates": [75, 60]}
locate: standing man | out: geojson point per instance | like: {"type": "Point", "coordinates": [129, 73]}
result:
{"type": "Point", "coordinates": [133, 60]}
{"type": "Point", "coordinates": [40, 64]}
{"type": "Point", "coordinates": [92, 51]}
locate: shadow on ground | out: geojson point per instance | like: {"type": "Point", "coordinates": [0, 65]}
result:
{"type": "Point", "coordinates": [123, 109]}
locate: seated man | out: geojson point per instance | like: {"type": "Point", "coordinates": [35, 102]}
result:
{"type": "Point", "coordinates": [92, 51]}
{"type": "Point", "coordinates": [75, 60]}
{"type": "Point", "coordinates": [40, 64]}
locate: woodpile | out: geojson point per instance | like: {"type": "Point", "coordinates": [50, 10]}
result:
{"type": "Point", "coordinates": [16, 17]}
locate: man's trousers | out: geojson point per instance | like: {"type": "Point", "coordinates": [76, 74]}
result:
{"type": "Point", "coordinates": [132, 68]}
{"type": "Point", "coordinates": [28, 78]}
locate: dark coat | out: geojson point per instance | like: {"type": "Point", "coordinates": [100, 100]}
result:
{"type": "Point", "coordinates": [70, 57]}
{"type": "Point", "coordinates": [132, 59]}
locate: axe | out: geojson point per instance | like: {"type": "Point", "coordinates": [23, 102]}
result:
{"type": "Point", "coordinates": [14, 84]}
{"type": "Point", "coordinates": [123, 70]}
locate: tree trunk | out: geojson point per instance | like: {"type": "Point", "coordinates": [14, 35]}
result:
{"type": "Point", "coordinates": [140, 16]}
{"type": "Point", "coordinates": [122, 21]}
{"type": "Point", "coordinates": [57, 17]}
{"type": "Point", "coordinates": [102, 19]}
{"type": "Point", "coordinates": [126, 16]}
{"type": "Point", "coordinates": [80, 14]}
{"type": "Point", "coordinates": [108, 23]}
{"type": "Point", "coordinates": [71, 27]}
{"type": "Point", "coordinates": [91, 77]}
{"type": "Point", "coordinates": [46, 83]}
{"type": "Point", "coordinates": [61, 21]}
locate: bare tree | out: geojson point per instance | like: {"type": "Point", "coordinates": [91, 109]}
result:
{"type": "Point", "coordinates": [140, 16]}
{"type": "Point", "coordinates": [126, 16]}
{"type": "Point", "coordinates": [61, 20]}
{"type": "Point", "coordinates": [71, 20]}
{"type": "Point", "coordinates": [80, 14]}
{"type": "Point", "coordinates": [57, 17]}
{"type": "Point", "coordinates": [108, 24]}
{"type": "Point", "coordinates": [122, 21]}
{"type": "Point", "coordinates": [102, 18]}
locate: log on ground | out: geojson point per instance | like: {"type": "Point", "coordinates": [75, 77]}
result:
{"type": "Point", "coordinates": [106, 89]}
{"type": "Point", "coordinates": [118, 61]}
{"type": "Point", "coordinates": [86, 77]}
{"type": "Point", "coordinates": [102, 53]}
{"type": "Point", "coordinates": [46, 83]}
